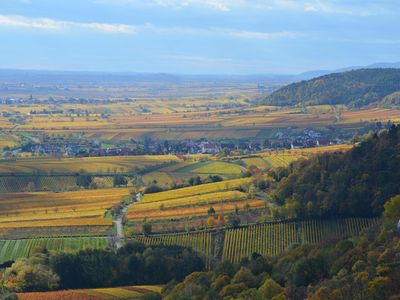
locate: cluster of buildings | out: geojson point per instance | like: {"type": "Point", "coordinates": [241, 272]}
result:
{"type": "Point", "coordinates": [77, 147]}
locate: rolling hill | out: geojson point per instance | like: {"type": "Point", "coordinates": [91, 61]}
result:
{"type": "Point", "coordinates": [354, 88]}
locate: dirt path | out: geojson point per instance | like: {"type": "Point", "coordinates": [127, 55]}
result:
{"type": "Point", "coordinates": [119, 236]}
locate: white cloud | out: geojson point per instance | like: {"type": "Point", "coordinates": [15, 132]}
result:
{"type": "Point", "coordinates": [58, 25]}
{"type": "Point", "coordinates": [351, 7]}
{"type": "Point", "coordinates": [51, 24]}
{"type": "Point", "coordinates": [264, 35]}
{"type": "Point", "coordinates": [223, 32]}
{"type": "Point", "coordinates": [221, 5]}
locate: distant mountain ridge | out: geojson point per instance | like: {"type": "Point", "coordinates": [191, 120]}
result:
{"type": "Point", "coordinates": [79, 77]}
{"type": "Point", "coordinates": [317, 73]}
{"type": "Point", "coordinates": [355, 88]}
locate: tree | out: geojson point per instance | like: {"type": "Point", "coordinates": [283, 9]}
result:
{"type": "Point", "coordinates": [195, 180]}
{"type": "Point", "coordinates": [221, 220]}
{"type": "Point", "coordinates": [31, 275]}
{"type": "Point", "coordinates": [392, 209]}
{"type": "Point", "coordinates": [270, 289]}
{"type": "Point", "coordinates": [5, 294]}
{"type": "Point", "coordinates": [307, 270]}
{"type": "Point", "coordinates": [211, 221]}
{"type": "Point", "coordinates": [119, 180]}
{"type": "Point", "coordinates": [379, 288]}
{"type": "Point", "coordinates": [225, 268]}
{"type": "Point", "coordinates": [147, 228]}
{"type": "Point", "coordinates": [233, 220]}
{"type": "Point", "coordinates": [215, 178]}
{"type": "Point", "coordinates": [152, 189]}
{"type": "Point", "coordinates": [84, 180]}
{"type": "Point", "coordinates": [357, 182]}
{"type": "Point", "coordinates": [211, 211]}
{"type": "Point", "coordinates": [245, 276]}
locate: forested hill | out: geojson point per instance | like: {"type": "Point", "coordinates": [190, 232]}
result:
{"type": "Point", "coordinates": [354, 183]}
{"type": "Point", "coordinates": [355, 88]}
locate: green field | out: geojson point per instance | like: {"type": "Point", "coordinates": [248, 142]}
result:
{"type": "Point", "coordinates": [12, 249]}
{"type": "Point", "coordinates": [212, 167]}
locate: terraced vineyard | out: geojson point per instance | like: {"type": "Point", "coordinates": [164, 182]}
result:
{"type": "Point", "coordinates": [195, 190]}
{"type": "Point", "coordinates": [273, 238]}
{"type": "Point", "coordinates": [268, 239]}
{"type": "Point", "coordinates": [192, 201]}
{"type": "Point", "coordinates": [108, 164]}
{"type": "Point", "coordinates": [11, 184]}
{"type": "Point", "coordinates": [12, 249]}
{"type": "Point", "coordinates": [115, 293]}
{"type": "Point", "coordinates": [40, 210]}
{"type": "Point", "coordinates": [276, 159]}
{"type": "Point", "coordinates": [281, 160]}
{"type": "Point", "coordinates": [256, 161]}
{"type": "Point", "coordinates": [213, 167]}
{"type": "Point", "coordinates": [204, 199]}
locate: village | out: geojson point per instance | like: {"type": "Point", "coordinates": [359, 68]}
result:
{"type": "Point", "coordinates": [77, 146]}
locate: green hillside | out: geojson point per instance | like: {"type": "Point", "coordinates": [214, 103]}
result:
{"type": "Point", "coordinates": [354, 183]}
{"type": "Point", "coordinates": [355, 88]}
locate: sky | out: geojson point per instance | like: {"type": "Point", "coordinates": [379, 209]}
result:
{"type": "Point", "coordinates": [198, 36]}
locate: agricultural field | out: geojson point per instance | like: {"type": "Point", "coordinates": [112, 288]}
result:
{"type": "Point", "coordinates": [193, 119]}
{"type": "Point", "coordinates": [272, 239]}
{"type": "Point", "coordinates": [107, 165]}
{"type": "Point", "coordinates": [8, 140]}
{"type": "Point", "coordinates": [226, 206]}
{"type": "Point", "coordinates": [11, 184]}
{"type": "Point", "coordinates": [269, 239]}
{"type": "Point", "coordinates": [50, 174]}
{"type": "Point", "coordinates": [86, 209]}
{"type": "Point", "coordinates": [113, 293]}
{"type": "Point", "coordinates": [161, 178]}
{"type": "Point", "coordinates": [314, 150]}
{"type": "Point", "coordinates": [212, 167]}
{"type": "Point", "coordinates": [189, 206]}
{"type": "Point", "coordinates": [274, 159]}
{"type": "Point", "coordinates": [195, 190]}
{"type": "Point", "coordinates": [13, 249]}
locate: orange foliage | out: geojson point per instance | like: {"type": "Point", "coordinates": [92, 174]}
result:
{"type": "Point", "coordinates": [211, 221]}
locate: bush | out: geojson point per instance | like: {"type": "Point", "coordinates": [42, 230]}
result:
{"type": "Point", "coordinates": [270, 289]}
{"type": "Point", "coordinates": [245, 276]}
{"type": "Point", "coordinates": [119, 180]}
{"type": "Point", "coordinates": [147, 228]}
{"type": "Point", "coordinates": [233, 220]}
{"type": "Point", "coordinates": [233, 290]}
{"type": "Point", "coordinates": [152, 189]}
{"type": "Point", "coordinates": [220, 282]}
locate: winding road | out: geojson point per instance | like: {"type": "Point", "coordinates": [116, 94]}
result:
{"type": "Point", "coordinates": [119, 236]}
